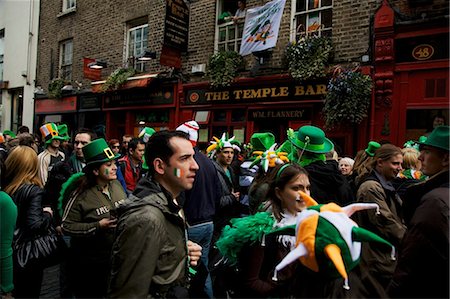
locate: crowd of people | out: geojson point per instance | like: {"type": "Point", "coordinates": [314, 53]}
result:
{"type": "Point", "coordinates": [153, 215]}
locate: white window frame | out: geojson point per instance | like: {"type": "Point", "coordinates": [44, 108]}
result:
{"type": "Point", "coordinates": [66, 59]}
{"type": "Point", "coordinates": [227, 27]}
{"type": "Point", "coordinates": [69, 5]}
{"type": "Point", "coordinates": [137, 51]}
{"type": "Point", "coordinates": [2, 52]}
{"type": "Point", "coordinates": [307, 12]}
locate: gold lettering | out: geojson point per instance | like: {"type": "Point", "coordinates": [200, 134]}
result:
{"type": "Point", "coordinates": [208, 96]}
{"type": "Point", "coordinates": [256, 93]}
{"type": "Point", "coordinates": [237, 94]}
{"type": "Point", "coordinates": [265, 92]}
{"type": "Point", "coordinates": [225, 95]}
{"type": "Point", "coordinates": [309, 90]}
{"type": "Point", "coordinates": [283, 91]}
{"type": "Point", "coordinates": [216, 96]}
{"type": "Point", "coordinates": [299, 90]}
{"type": "Point", "coordinates": [247, 93]}
{"type": "Point", "coordinates": [274, 92]}
{"type": "Point", "coordinates": [321, 89]}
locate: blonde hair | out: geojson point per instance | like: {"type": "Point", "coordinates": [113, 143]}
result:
{"type": "Point", "coordinates": [21, 167]}
{"type": "Point", "coordinates": [410, 158]}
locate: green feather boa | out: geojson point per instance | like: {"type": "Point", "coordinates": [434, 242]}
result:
{"type": "Point", "coordinates": [67, 188]}
{"type": "Point", "coordinates": [243, 231]}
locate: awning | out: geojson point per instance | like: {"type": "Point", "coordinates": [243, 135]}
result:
{"type": "Point", "coordinates": [132, 82]}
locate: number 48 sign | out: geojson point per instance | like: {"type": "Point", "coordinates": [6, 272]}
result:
{"type": "Point", "coordinates": [423, 52]}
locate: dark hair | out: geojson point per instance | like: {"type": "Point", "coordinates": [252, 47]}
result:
{"type": "Point", "coordinates": [23, 129]}
{"type": "Point", "coordinates": [87, 131]}
{"type": "Point", "coordinates": [26, 139]}
{"type": "Point", "coordinates": [278, 178]}
{"type": "Point", "coordinates": [132, 145]}
{"type": "Point", "coordinates": [158, 146]}
{"type": "Point", "coordinates": [111, 142]}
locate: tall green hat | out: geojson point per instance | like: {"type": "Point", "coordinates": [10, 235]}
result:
{"type": "Point", "coordinates": [50, 132]}
{"type": "Point", "coordinates": [311, 139]}
{"type": "Point", "coordinates": [262, 141]}
{"type": "Point", "coordinates": [98, 151]}
{"type": "Point", "coordinates": [439, 138]}
{"type": "Point", "coordinates": [63, 131]}
{"type": "Point", "coordinates": [372, 147]}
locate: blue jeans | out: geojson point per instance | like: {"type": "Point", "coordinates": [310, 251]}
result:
{"type": "Point", "coordinates": [202, 235]}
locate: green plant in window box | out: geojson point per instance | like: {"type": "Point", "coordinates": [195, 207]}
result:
{"type": "Point", "coordinates": [223, 68]}
{"type": "Point", "coordinates": [348, 98]}
{"type": "Point", "coordinates": [309, 57]}
{"type": "Point", "coordinates": [54, 88]}
{"type": "Point", "coordinates": [118, 78]}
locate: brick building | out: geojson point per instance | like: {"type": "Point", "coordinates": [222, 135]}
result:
{"type": "Point", "coordinates": [118, 32]}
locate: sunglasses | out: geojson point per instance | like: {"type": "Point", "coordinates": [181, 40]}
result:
{"type": "Point", "coordinates": [116, 146]}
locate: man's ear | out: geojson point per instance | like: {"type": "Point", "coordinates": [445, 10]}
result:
{"type": "Point", "coordinates": [159, 166]}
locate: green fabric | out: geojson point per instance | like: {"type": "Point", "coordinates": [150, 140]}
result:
{"type": "Point", "coordinates": [66, 189]}
{"type": "Point", "coordinates": [360, 234]}
{"type": "Point", "coordinates": [308, 158]}
{"type": "Point", "coordinates": [8, 216]}
{"type": "Point", "coordinates": [243, 231]}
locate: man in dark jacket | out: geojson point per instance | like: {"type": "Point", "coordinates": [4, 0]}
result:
{"type": "Point", "coordinates": [150, 254]}
{"type": "Point", "coordinates": [423, 265]}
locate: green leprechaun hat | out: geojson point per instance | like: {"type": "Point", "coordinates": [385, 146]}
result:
{"type": "Point", "coordinates": [50, 132]}
{"type": "Point", "coordinates": [311, 139]}
{"type": "Point", "coordinates": [372, 147]}
{"type": "Point", "coordinates": [439, 138]}
{"type": "Point", "coordinates": [262, 141]}
{"type": "Point", "coordinates": [146, 133]}
{"type": "Point", "coordinates": [98, 151]}
{"type": "Point", "coordinates": [63, 131]}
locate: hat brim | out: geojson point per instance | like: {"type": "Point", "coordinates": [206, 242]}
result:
{"type": "Point", "coordinates": [90, 163]}
{"type": "Point", "coordinates": [432, 145]}
{"type": "Point", "coordinates": [55, 138]}
{"type": "Point", "coordinates": [327, 147]}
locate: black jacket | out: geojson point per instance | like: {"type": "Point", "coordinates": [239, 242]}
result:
{"type": "Point", "coordinates": [422, 270]}
{"type": "Point", "coordinates": [328, 184]}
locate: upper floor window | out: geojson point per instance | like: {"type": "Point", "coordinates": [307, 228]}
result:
{"type": "Point", "coordinates": [313, 17]}
{"type": "Point", "coordinates": [230, 24]}
{"type": "Point", "coordinates": [69, 5]}
{"type": "Point", "coordinates": [137, 42]}
{"type": "Point", "coordinates": [65, 59]}
{"type": "Point", "coordinates": [2, 51]}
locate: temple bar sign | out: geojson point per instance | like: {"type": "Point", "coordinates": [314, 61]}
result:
{"type": "Point", "coordinates": [278, 92]}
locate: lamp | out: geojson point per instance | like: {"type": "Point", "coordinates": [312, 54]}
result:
{"type": "Point", "coordinates": [147, 55]}
{"type": "Point", "coordinates": [97, 65]}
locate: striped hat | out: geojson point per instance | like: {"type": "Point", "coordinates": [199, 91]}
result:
{"type": "Point", "coordinates": [50, 132]}
{"type": "Point", "coordinates": [190, 127]}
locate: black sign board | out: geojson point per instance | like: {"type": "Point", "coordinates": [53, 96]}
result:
{"type": "Point", "coordinates": [137, 97]}
{"type": "Point", "coordinates": [290, 114]}
{"type": "Point", "coordinates": [422, 48]}
{"type": "Point", "coordinates": [176, 25]}
{"type": "Point", "coordinates": [268, 93]}
{"type": "Point", "coordinates": [90, 102]}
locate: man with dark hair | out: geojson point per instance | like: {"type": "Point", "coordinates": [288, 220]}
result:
{"type": "Point", "coordinates": [150, 254]}
{"type": "Point", "coordinates": [125, 140]}
{"type": "Point", "coordinates": [131, 164]}
{"type": "Point", "coordinates": [23, 129]}
{"type": "Point", "coordinates": [422, 268]}
{"type": "Point", "coordinates": [83, 137]}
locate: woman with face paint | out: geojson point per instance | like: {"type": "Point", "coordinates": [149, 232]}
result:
{"type": "Point", "coordinates": [90, 199]}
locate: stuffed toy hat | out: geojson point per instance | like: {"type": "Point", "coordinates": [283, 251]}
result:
{"type": "Point", "coordinates": [50, 132]}
{"type": "Point", "coordinates": [63, 131]}
{"type": "Point", "coordinates": [146, 133]}
{"type": "Point", "coordinates": [310, 139]}
{"type": "Point", "coordinates": [372, 147]}
{"type": "Point", "coordinates": [328, 241]}
{"type": "Point", "coordinates": [222, 143]}
{"type": "Point", "coordinates": [190, 127]}
{"type": "Point", "coordinates": [269, 158]}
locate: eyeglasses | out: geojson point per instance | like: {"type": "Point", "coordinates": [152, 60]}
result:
{"type": "Point", "coordinates": [116, 146]}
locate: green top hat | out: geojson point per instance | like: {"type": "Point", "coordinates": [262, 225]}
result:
{"type": "Point", "coordinates": [50, 132]}
{"type": "Point", "coordinates": [439, 138]}
{"type": "Point", "coordinates": [262, 141]}
{"type": "Point", "coordinates": [63, 131]}
{"type": "Point", "coordinates": [10, 133]}
{"type": "Point", "coordinates": [311, 139]}
{"type": "Point", "coordinates": [372, 147]}
{"type": "Point", "coordinates": [98, 152]}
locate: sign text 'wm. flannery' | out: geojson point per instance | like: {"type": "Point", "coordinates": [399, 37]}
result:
{"type": "Point", "coordinates": [257, 94]}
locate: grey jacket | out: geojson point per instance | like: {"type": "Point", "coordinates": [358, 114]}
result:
{"type": "Point", "coordinates": [150, 254]}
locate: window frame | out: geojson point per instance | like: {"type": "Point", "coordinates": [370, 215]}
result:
{"type": "Point", "coordinates": [65, 65]}
{"type": "Point", "coordinates": [307, 12]}
{"type": "Point", "coordinates": [237, 41]}
{"type": "Point", "coordinates": [2, 52]}
{"type": "Point", "coordinates": [69, 5]}
{"type": "Point", "coordinates": [132, 57]}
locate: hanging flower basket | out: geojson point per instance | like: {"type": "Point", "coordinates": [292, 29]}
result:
{"type": "Point", "coordinates": [348, 98]}
{"type": "Point", "coordinates": [223, 68]}
{"type": "Point", "coordinates": [54, 88]}
{"type": "Point", "coordinates": [117, 78]}
{"type": "Point", "coordinates": [309, 57]}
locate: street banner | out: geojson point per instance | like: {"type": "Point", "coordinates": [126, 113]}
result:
{"type": "Point", "coordinates": [261, 27]}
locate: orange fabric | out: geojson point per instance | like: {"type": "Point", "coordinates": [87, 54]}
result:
{"type": "Point", "coordinates": [331, 207]}
{"type": "Point", "coordinates": [307, 236]}
{"type": "Point", "coordinates": [334, 254]}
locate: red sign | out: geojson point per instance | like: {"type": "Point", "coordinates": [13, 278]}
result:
{"type": "Point", "coordinates": [89, 73]}
{"type": "Point", "coordinates": [56, 105]}
{"type": "Point", "coordinates": [170, 57]}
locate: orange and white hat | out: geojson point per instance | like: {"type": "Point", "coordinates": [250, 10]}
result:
{"type": "Point", "coordinates": [50, 132]}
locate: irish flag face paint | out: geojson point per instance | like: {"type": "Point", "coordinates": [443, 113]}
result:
{"type": "Point", "coordinates": [177, 172]}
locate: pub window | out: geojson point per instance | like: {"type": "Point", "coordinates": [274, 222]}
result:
{"type": "Point", "coordinates": [229, 32]}
{"type": "Point", "coordinates": [312, 17]}
{"type": "Point", "coordinates": [65, 59]}
{"type": "Point", "coordinates": [68, 5]}
{"type": "Point", "coordinates": [232, 122]}
{"type": "Point", "coordinates": [137, 42]}
{"type": "Point", "coordinates": [435, 88]}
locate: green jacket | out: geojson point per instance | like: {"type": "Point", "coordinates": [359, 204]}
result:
{"type": "Point", "coordinates": [150, 254]}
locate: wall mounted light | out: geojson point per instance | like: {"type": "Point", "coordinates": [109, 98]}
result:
{"type": "Point", "coordinates": [97, 65]}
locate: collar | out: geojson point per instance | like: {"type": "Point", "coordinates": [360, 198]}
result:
{"type": "Point", "coordinates": [384, 183]}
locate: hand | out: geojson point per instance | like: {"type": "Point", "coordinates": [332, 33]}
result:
{"type": "Point", "coordinates": [48, 210]}
{"type": "Point", "coordinates": [106, 223]}
{"type": "Point", "coordinates": [236, 195]}
{"type": "Point", "coordinates": [194, 252]}
{"type": "Point", "coordinates": [59, 230]}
